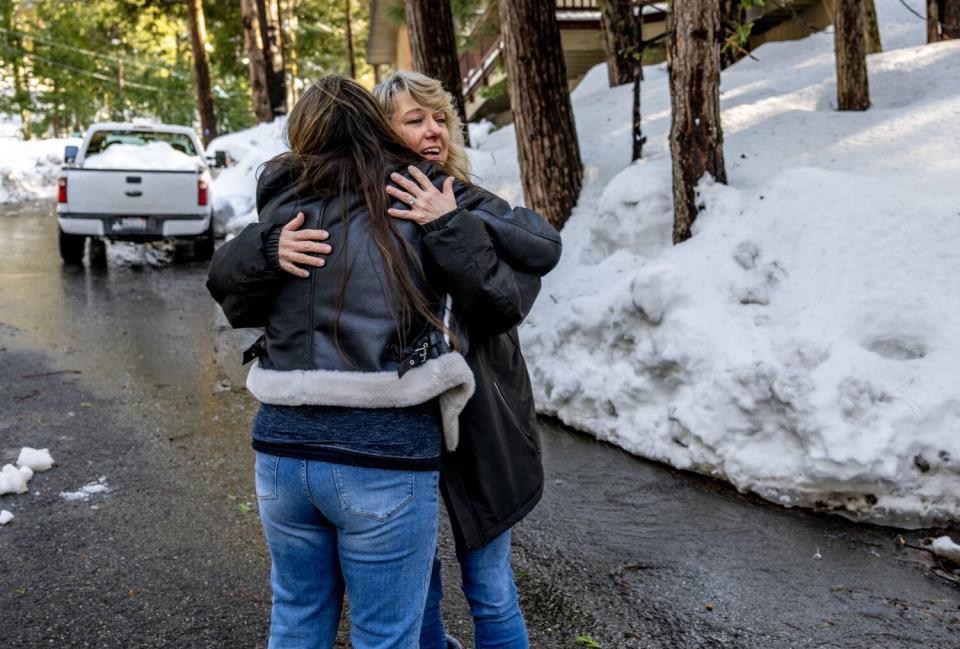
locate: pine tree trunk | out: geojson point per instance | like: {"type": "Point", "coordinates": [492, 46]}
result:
{"type": "Point", "coordinates": [872, 27]}
{"type": "Point", "coordinates": [290, 26]}
{"type": "Point", "coordinates": [950, 19]}
{"type": "Point", "coordinates": [638, 137]}
{"type": "Point", "coordinates": [253, 45]}
{"type": "Point", "coordinates": [933, 21]}
{"type": "Point", "coordinates": [850, 46]}
{"type": "Point", "coordinates": [351, 56]}
{"type": "Point", "coordinates": [696, 136]}
{"type": "Point", "coordinates": [618, 39]}
{"type": "Point", "coordinates": [434, 48]}
{"type": "Point", "coordinates": [198, 43]}
{"type": "Point", "coordinates": [271, 37]}
{"type": "Point", "coordinates": [549, 153]}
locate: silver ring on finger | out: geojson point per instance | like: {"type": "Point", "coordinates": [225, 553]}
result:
{"type": "Point", "coordinates": [413, 201]}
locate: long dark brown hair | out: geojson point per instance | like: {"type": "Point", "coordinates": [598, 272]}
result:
{"type": "Point", "coordinates": [342, 143]}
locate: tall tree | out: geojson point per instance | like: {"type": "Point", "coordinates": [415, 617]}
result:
{"type": "Point", "coordinates": [289, 24]}
{"type": "Point", "coordinates": [351, 57]}
{"type": "Point", "coordinates": [619, 39]}
{"type": "Point", "coordinates": [433, 46]}
{"type": "Point", "coordinates": [943, 20]}
{"type": "Point", "coordinates": [550, 164]}
{"type": "Point", "coordinates": [198, 44]}
{"type": "Point", "coordinates": [271, 36]}
{"type": "Point", "coordinates": [850, 51]}
{"type": "Point", "coordinates": [696, 137]}
{"type": "Point", "coordinates": [636, 53]}
{"type": "Point", "coordinates": [872, 27]}
{"type": "Point", "coordinates": [253, 45]}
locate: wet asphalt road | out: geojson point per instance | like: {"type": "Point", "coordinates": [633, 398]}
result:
{"type": "Point", "coordinates": [130, 375]}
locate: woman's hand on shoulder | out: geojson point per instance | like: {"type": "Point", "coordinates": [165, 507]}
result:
{"type": "Point", "coordinates": [300, 247]}
{"type": "Point", "coordinates": [426, 202]}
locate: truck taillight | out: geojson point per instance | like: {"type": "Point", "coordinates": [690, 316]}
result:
{"type": "Point", "coordinates": [202, 192]}
{"type": "Point", "coordinates": [61, 190]}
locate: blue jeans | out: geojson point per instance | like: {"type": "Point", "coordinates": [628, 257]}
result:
{"type": "Point", "coordinates": [330, 526]}
{"type": "Point", "coordinates": [488, 586]}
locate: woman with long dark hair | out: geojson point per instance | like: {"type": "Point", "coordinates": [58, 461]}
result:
{"type": "Point", "coordinates": [359, 375]}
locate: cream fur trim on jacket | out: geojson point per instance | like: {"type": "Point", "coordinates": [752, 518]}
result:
{"type": "Point", "coordinates": [447, 377]}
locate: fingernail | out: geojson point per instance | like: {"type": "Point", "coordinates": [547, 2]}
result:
{"type": "Point", "coordinates": [322, 262]}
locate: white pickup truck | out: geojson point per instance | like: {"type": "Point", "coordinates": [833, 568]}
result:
{"type": "Point", "coordinates": [135, 182]}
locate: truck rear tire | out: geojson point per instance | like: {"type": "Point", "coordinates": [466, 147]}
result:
{"type": "Point", "coordinates": [203, 245]}
{"type": "Point", "coordinates": [71, 247]}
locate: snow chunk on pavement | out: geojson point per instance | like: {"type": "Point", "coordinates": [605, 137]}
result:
{"type": "Point", "coordinates": [14, 480]}
{"type": "Point", "coordinates": [5, 517]}
{"type": "Point", "coordinates": [946, 548]}
{"type": "Point", "coordinates": [87, 490]}
{"type": "Point", "coordinates": [36, 459]}
{"type": "Point", "coordinates": [152, 155]}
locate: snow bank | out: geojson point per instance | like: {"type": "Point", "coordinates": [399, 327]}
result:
{"type": "Point", "coordinates": [234, 189]}
{"type": "Point", "coordinates": [158, 156]}
{"type": "Point", "coordinates": [28, 169]}
{"type": "Point", "coordinates": [802, 345]}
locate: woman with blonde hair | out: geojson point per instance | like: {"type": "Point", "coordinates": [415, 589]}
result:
{"type": "Point", "coordinates": [495, 476]}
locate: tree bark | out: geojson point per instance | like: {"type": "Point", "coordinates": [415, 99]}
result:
{"type": "Point", "coordinates": [198, 44]}
{"type": "Point", "coordinates": [434, 48]}
{"type": "Point", "coordinates": [850, 46]}
{"type": "Point", "coordinates": [253, 44]}
{"type": "Point", "coordinates": [550, 166]}
{"type": "Point", "coordinates": [271, 37]}
{"type": "Point", "coordinates": [696, 136]}
{"type": "Point", "coordinates": [618, 39]}
{"type": "Point", "coordinates": [290, 26]}
{"type": "Point", "coordinates": [943, 20]}
{"type": "Point", "coordinates": [950, 19]}
{"type": "Point", "coordinates": [351, 56]}
{"type": "Point", "coordinates": [872, 27]}
{"type": "Point", "coordinates": [638, 138]}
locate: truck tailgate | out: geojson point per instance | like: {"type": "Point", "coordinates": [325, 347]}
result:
{"type": "Point", "coordinates": [132, 192]}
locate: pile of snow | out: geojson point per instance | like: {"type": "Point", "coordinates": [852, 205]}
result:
{"type": "Point", "coordinates": [479, 131]}
{"type": "Point", "coordinates": [5, 517]}
{"type": "Point", "coordinates": [154, 156]}
{"type": "Point", "coordinates": [945, 547]}
{"type": "Point", "coordinates": [155, 254]}
{"type": "Point", "coordinates": [234, 189]}
{"type": "Point", "coordinates": [801, 344]}
{"type": "Point", "coordinates": [29, 168]}
{"type": "Point", "coordinates": [85, 492]}
{"type": "Point", "coordinates": [14, 479]}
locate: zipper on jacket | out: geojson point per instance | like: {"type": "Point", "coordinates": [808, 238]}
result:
{"type": "Point", "coordinates": [513, 416]}
{"type": "Point", "coordinates": [313, 291]}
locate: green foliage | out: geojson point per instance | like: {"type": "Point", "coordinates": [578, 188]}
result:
{"type": "Point", "coordinates": [82, 62]}
{"type": "Point", "coordinates": [586, 641]}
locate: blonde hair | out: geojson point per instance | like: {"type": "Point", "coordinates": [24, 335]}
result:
{"type": "Point", "coordinates": [429, 93]}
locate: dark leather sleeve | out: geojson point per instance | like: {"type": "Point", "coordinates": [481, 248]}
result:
{"type": "Point", "coordinates": [487, 292]}
{"type": "Point", "coordinates": [523, 238]}
{"type": "Point", "coordinates": [244, 272]}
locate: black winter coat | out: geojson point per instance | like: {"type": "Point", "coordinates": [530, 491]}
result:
{"type": "Point", "coordinates": [495, 476]}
